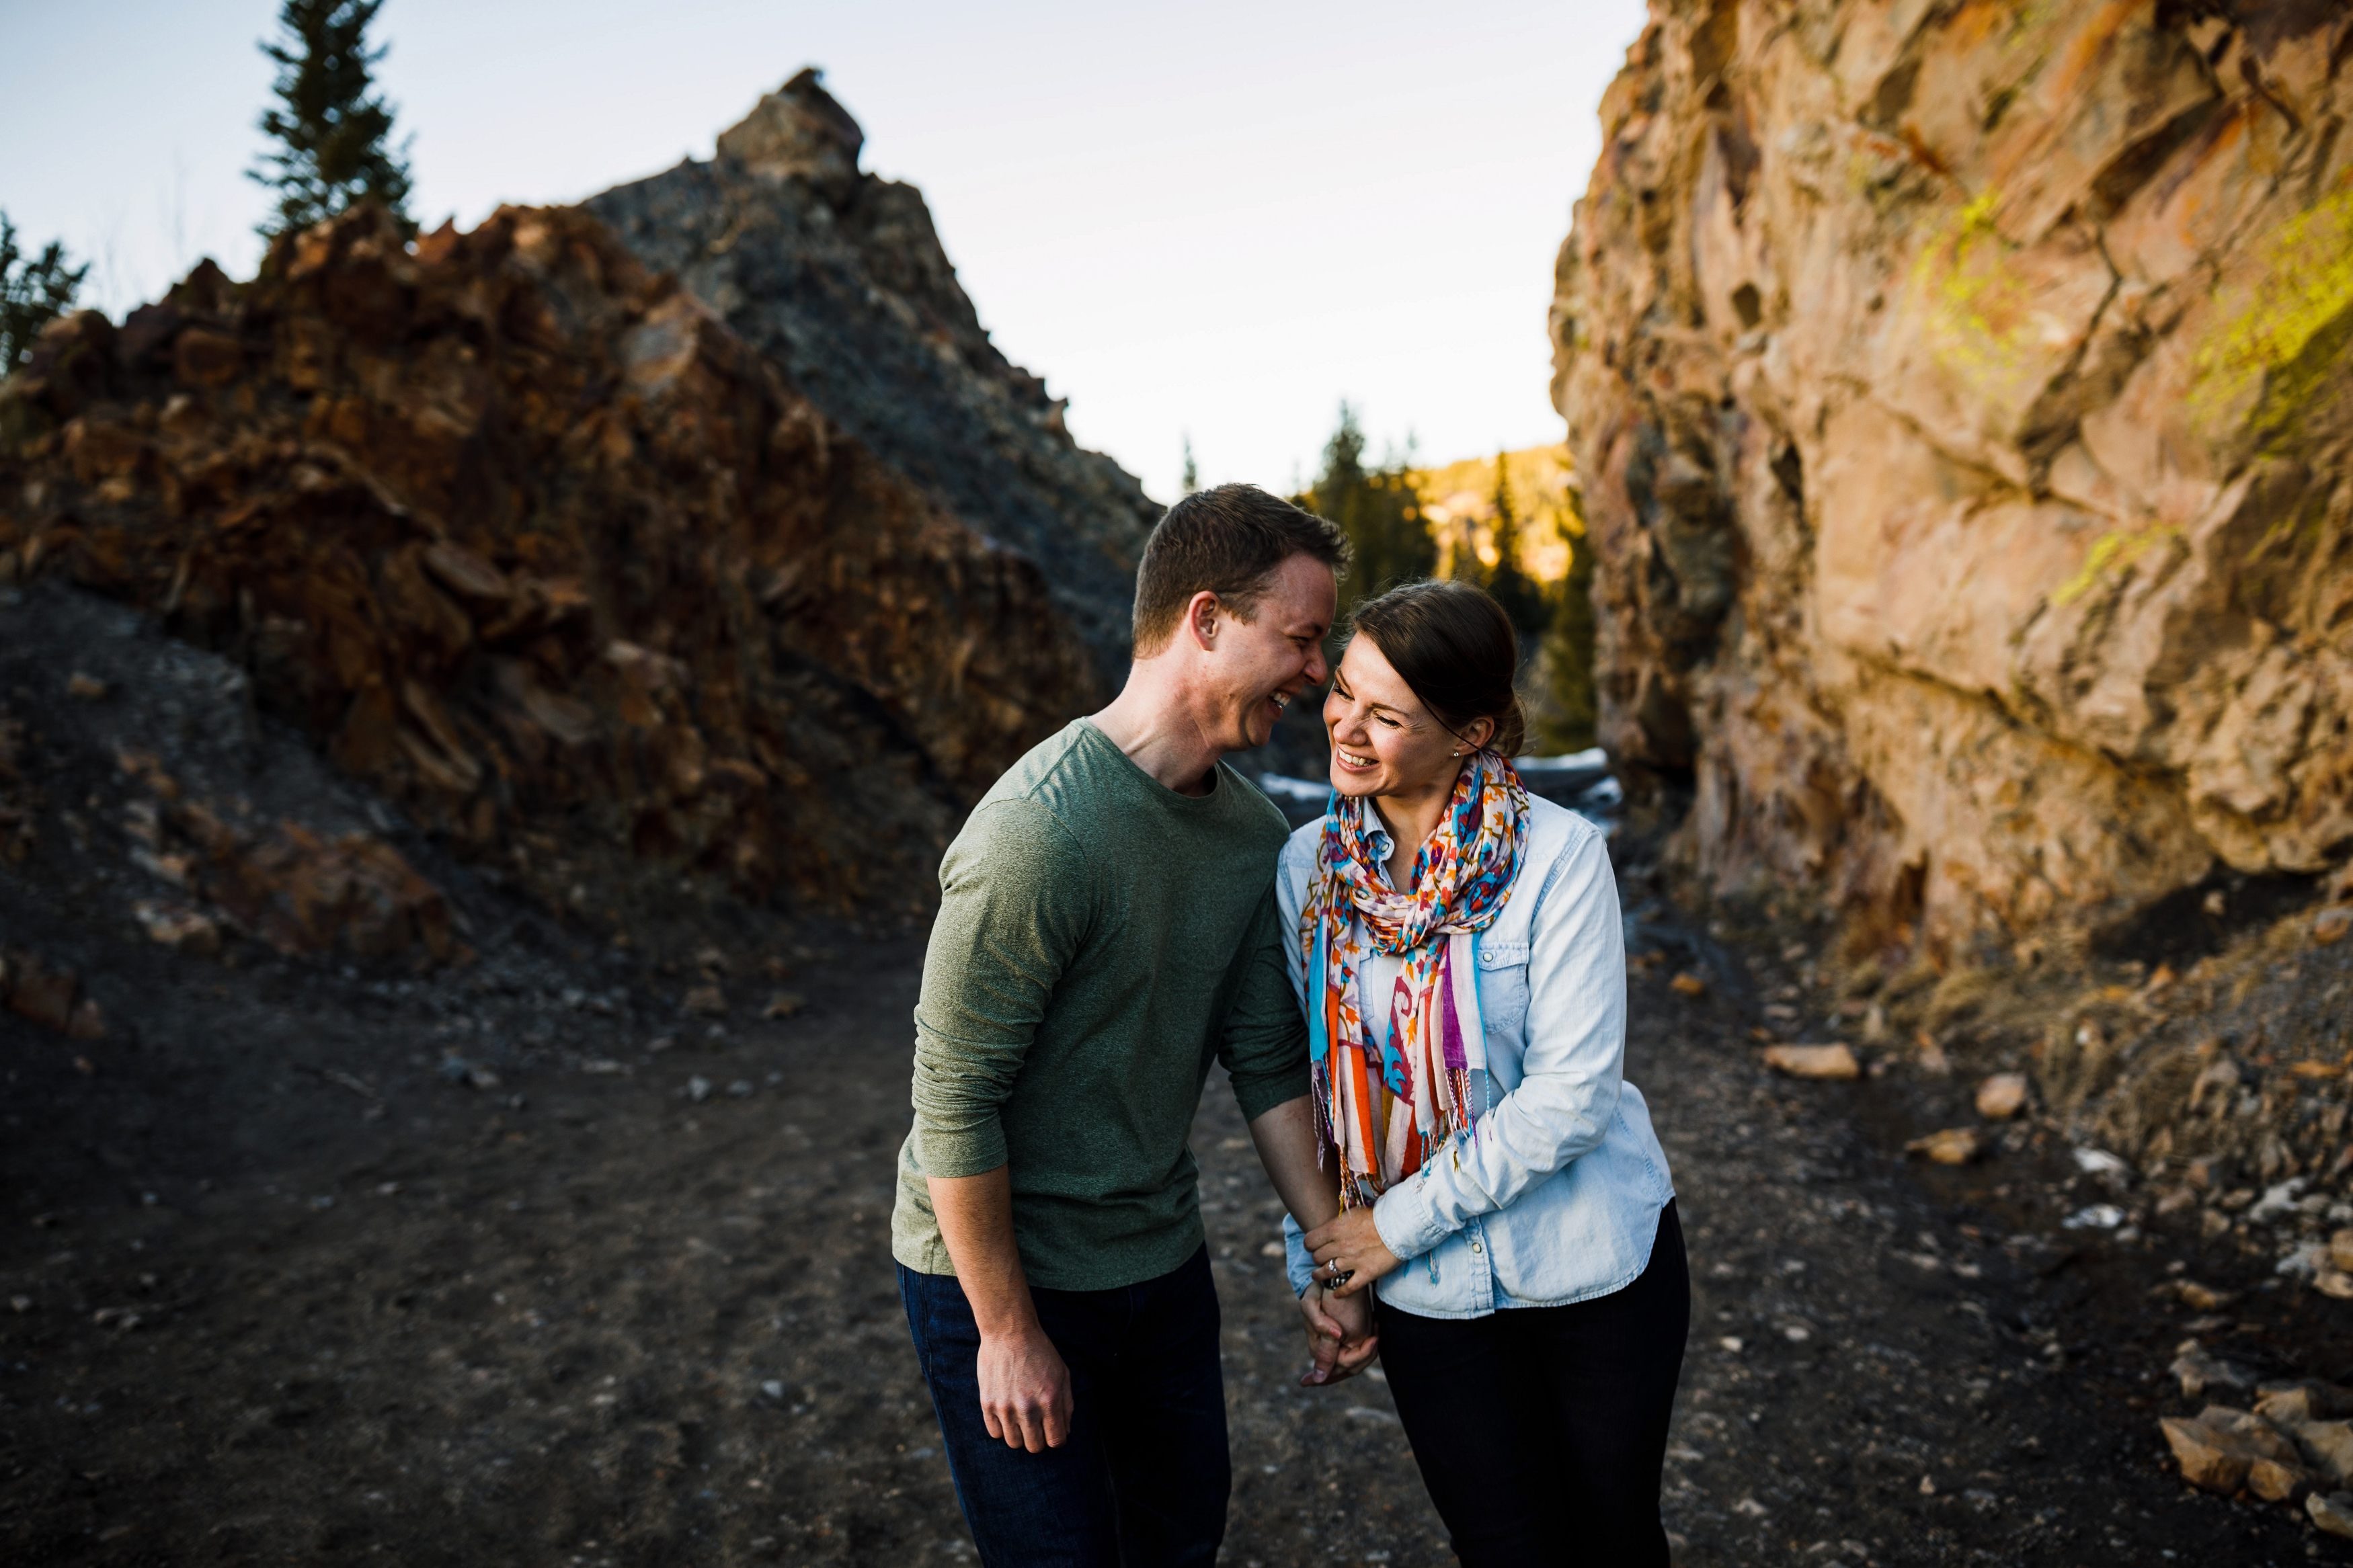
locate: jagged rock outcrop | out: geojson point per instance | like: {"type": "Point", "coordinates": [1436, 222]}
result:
{"type": "Point", "coordinates": [1964, 403]}
{"type": "Point", "coordinates": [539, 547]}
{"type": "Point", "coordinates": [840, 277]}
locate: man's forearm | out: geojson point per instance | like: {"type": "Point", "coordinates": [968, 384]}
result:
{"type": "Point", "coordinates": [1285, 1137]}
{"type": "Point", "coordinates": [975, 1215]}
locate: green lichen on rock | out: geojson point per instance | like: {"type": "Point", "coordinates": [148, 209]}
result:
{"type": "Point", "coordinates": [2111, 556]}
{"type": "Point", "coordinates": [1979, 311]}
{"type": "Point", "coordinates": [2301, 287]}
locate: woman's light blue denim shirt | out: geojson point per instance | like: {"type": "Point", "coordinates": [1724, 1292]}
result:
{"type": "Point", "coordinates": [1554, 1194]}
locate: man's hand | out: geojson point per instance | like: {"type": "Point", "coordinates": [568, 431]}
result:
{"type": "Point", "coordinates": [1024, 1390]}
{"type": "Point", "coordinates": [1350, 1251]}
{"type": "Point", "coordinates": [1340, 1337]}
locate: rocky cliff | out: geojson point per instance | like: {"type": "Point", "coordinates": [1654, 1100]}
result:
{"type": "Point", "coordinates": [1964, 403]}
{"type": "Point", "coordinates": [840, 277]}
{"type": "Point", "coordinates": [538, 546]}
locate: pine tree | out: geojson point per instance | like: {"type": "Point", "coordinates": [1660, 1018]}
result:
{"type": "Point", "coordinates": [33, 293]}
{"type": "Point", "coordinates": [331, 132]}
{"type": "Point", "coordinates": [1572, 713]}
{"type": "Point", "coordinates": [1380, 511]}
{"type": "Point", "coordinates": [1522, 596]}
{"type": "Point", "coordinates": [1191, 479]}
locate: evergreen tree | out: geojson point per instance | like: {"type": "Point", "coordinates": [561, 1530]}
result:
{"type": "Point", "coordinates": [1191, 479]}
{"type": "Point", "coordinates": [1522, 596]}
{"type": "Point", "coordinates": [1569, 724]}
{"type": "Point", "coordinates": [331, 131]}
{"type": "Point", "coordinates": [1380, 511]}
{"type": "Point", "coordinates": [33, 293]}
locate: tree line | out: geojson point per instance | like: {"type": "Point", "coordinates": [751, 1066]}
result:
{"type": "Point", "coordinates": [1388, 525]}
{"type": "Point", "coordinates": [330, 147]}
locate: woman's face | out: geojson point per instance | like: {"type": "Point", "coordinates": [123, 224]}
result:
{"type": "Point", "coordinates": [1384, 741]}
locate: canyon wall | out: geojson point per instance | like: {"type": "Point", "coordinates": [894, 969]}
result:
{"type": "Point", "coordinates": [531, 540]}
{"type": "Point", "coordinates": [840, 277]}
{"type": "Point", "coordinates": [1963, 401]}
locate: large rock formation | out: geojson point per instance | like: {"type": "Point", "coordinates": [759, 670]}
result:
{"type": "Point", "coordinates": [1965, 409]}
{"type": "Point", "coordinates": [534, 543]}
{"type": "Point", "coordinates": [840, 277]}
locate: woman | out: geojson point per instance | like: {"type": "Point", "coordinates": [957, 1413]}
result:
{"type": "Point", "coordinates": [1462, 967]}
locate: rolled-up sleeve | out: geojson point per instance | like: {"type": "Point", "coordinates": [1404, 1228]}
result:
{"type": "Point", "coordinates": [1014, 906]}
{"type": "Point", "coordinates": [1571, 1074]}
{"type": "Point", "coordinates": [1264, 1042]}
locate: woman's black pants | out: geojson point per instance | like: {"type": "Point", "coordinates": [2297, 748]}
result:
{"type": "Point", "coordinates": [1540, 1431]}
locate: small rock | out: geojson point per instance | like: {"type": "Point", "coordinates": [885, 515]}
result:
{"type": "Point", "coordinates": [1933, 1060]}
{"type": "Point", "coordinates": [2096, 1217]}
{"type": "Point", "coordinates": [2328, 1445]}
{"type": "Point", "coordinates": [2291, 1404]}
{"type": "Point", "coordinates": [604, 1064]}
{"type": "Point", "coordinates": [1271, 1249]}
{"type": "Point", "coordinates": [2211, 1460]}
{"type": "Point", "coordinates": [784, 1004]}
{"type": "Point", "coordinates": [87, 1021]}
{"type": "Point", "coordinates": [698, 1089]}
{"type": "Point", "coordinates": [2333, 1513]}
{"type": "Point", "coordinates": [704, 1001]}
{"type": "Point", "coordinates": [181, 929]}
{"type": "Point", "coordinates": [2002, 1096]}
{"type": "Point", "coordinates": [1953, 1146]}
{"type": "Point", "coordinates": [2334, 1282]}
{"type": "Point", "coordinates": [2331, 924]}
{"type": "Point", "coordinates": [1814, 1061]}
{"type": "Point", "coordinates": [20, 1303]}
{"type": "Point", "coordinates": [740, 1090]}
{"type": "Point", "coordinates": [1688, 984]}
{"type": "Point", "coordinates": [88, 688]}
{"type": "Point", "coordinates": [2199, 1371]}
{"type": "Point", "coordinates": [772, 1389]}
{"type": "Point", "coordinates": [2100, 1162]}
{"type": "Point", "coordinates": [2340, 1250]}
{"type": "Point", "coordinates": [2201, 1297]}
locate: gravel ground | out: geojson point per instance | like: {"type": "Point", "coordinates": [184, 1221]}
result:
{"type": "Point", "coordinates": [277, 1279]}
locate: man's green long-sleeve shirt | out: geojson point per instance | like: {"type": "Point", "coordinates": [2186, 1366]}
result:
{"type": "Point", "coordinates": [1100, 939]}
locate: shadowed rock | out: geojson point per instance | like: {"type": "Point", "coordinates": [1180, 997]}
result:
{"type": "Point", "coordinates": [841, 277]}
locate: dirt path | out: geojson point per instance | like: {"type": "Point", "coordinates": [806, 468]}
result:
{"type": "Point", "coordinates": [279, 1280]}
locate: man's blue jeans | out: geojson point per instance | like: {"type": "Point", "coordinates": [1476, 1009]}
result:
{"type": "Point", "coordinates": [1143, 1478]}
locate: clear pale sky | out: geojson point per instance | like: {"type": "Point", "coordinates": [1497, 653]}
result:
{"type": "Point", "coordinates": [1218, 219]}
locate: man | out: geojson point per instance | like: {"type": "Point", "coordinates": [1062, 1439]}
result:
{"type": "Point", "coordinates": [1107, 927]}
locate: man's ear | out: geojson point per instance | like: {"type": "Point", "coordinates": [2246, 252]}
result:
{"type": "Point", "coordinates": [1203, 614]}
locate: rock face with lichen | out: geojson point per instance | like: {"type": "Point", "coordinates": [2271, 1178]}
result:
{"type": "Point", "coordinates": [1964, 406]}
{"type": "Point", "coordinates": [840, 277]}
{"type": "Point", "coordinates": [531, 540]}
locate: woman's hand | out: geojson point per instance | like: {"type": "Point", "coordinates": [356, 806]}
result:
{"type": "Point", "coordinates": [1340, 1338]}
{"type": "Point", "coordinates": [1350, 1252]}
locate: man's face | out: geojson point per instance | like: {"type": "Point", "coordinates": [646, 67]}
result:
{"type": "Point", "coordinates": [1256, 667]}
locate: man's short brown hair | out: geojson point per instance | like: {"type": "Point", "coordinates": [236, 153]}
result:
{"type": "Point", "coordinates": [1230, 541]}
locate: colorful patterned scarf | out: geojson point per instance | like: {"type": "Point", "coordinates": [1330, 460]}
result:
{"type": "Point", "coordinates": [1385, 1119]}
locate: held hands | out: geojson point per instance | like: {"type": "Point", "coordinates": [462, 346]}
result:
{"type": "Point", "coordinates": [1024, 1390]}
{"type": "Point", "coordinates": [1349, 1253]}
{"type": "Point", "coordinates": [1340, 1336]}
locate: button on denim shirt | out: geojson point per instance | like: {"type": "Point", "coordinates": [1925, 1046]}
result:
{"type": "Point", "coordinates": [1554, 1194]}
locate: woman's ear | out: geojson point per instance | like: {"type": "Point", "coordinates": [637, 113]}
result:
{"type": "Point", "coordinates": [1479, 732]}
